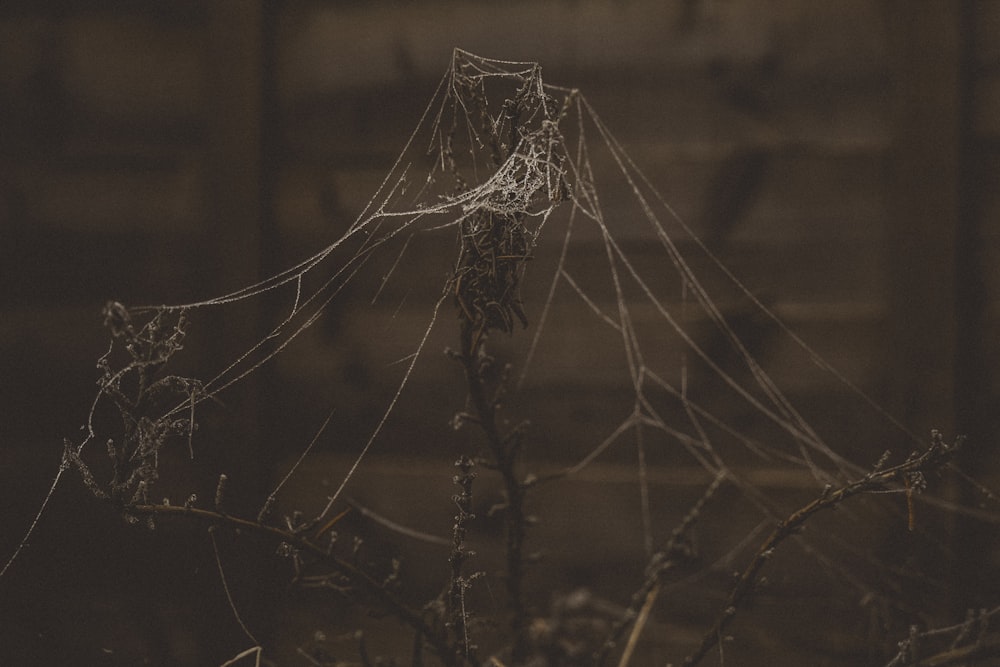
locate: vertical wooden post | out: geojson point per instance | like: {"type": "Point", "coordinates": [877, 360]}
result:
{"type": "Point", "coordinates": [932, 314]}
{"type": "Point", "coordinates": [234, 163]}
{"type": "Point", "coordinates": [235, 139]}
{"type": "Point", "coordinates": [241, 225]}
{"type": "Point", "coordinates": [923, 209]}
{"type": "Point", "coordinates": [975, 393]}
{"type": "Point", "coordinates": [240, 220]}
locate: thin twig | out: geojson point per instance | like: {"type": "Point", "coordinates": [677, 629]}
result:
{"type": "Point", "coordinates": [243, 654]}
{"type": "Point", "coordinates": [964, 655]}
{"type": "Point", "coordinates": [660, 563]}
{"type": "Point", "coordinates": [372, 587]}
{"type": "Point", "coordinates": [640, 624]}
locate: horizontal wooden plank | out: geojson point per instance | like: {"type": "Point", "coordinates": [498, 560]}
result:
{"type": "Point", "coordinates": [675, 114]}
{"type": "Point", "coordinates": [140, 201]}
{"type": "Point", "coordinates": [580, 366]}
{"type": "Point", "coordinates": [333, 45]}
{"type": "Point", "coordinates": [802, 195]}
{"type": "Point", "coordinates": [131, 66]}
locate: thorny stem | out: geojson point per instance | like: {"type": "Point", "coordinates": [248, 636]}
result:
{"type": "Point", "coordinates": [935, 456]}
{"type": "Point", "coordinates": [356, 576]}
{"type": "Point", "coordinates": [457, 617]}
{"type": "Point", "coordinates": [505, 451]}
{"type": "Point", "coordinates": [674, 552]}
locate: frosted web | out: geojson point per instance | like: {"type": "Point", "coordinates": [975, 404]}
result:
{"type": "Point", "coordinates": [566, 258]}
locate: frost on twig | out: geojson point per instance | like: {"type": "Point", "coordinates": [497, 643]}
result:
{"type": "Point", "coordinates": [155, 408]}
{"type": "Point", "coordinates": [457, 615]}
{"type": "Point", "coordinates": [969, 642]}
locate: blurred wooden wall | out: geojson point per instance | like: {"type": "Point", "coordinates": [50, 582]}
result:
{"type": "Point", "coordinates": [843, 158]}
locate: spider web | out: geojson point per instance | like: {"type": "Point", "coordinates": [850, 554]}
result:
{"type": "Point", "coordinates": [568, 259]}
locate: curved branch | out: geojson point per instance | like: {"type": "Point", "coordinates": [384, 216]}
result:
{"type": "Point", "coordinates": [298, 540]}
{"type": "Point", "coordinates": [935, 456]}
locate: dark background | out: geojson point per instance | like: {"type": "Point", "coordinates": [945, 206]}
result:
{"type": "Point", "coordinates": [842, 158]}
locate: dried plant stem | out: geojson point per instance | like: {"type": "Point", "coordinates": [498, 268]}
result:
{"type": "Point", "coordinates": [675, 551]}
{"type": "Point", "coordinates": [505, 450]}
{"type": "Point", "coordinates": [300, 541]}
{"type": "Point", "coordinates": [459, 583]}
{"type": "Point", "coordinates": [640, 624]}
{"type": "Point", "coordinates": [255, 651]}
{"type": "Point", "coordinates": [878, 479]}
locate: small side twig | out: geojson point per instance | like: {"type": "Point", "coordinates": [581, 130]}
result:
{"type": "Point", "coordinates": [968, 644]}
{"type": "Point", "coordinates": [964, 655]}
